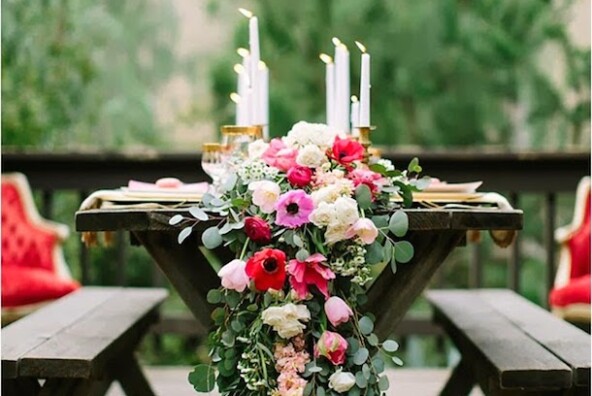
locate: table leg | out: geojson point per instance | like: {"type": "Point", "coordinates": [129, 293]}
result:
{"type": "Point", "coordinates": [185, 267]}
{"type": "Point", "coordinates": [391, 295]}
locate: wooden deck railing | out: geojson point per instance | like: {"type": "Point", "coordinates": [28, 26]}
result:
{"type": "Point", "coordinates": [512, 174]}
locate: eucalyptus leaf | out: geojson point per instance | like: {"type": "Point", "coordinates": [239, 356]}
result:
{"type": "Point", "coordinates": [361, 381]}
{"type": "Point", "coordinates": [397, 361]}
{"type": "Point", "coordinates": [185, 232]}
{"type": "Point", "coordinates": [390, 346]}
{"type": "Point", "coordinates": [399, 223]}
{"type": "Point", "coordinates": [176, 219]}
{"type": "Point", "coordinates": [211, 238]}
{"type": "Point", "coordinates": [366, 325]}
{"type": "Point", "coordinates": [403, 251]}
{"type": "Point", "coordinates": [361, 356]}
{"type": "Point", "coordinates": [374, 253]}
{"type": "Point", "coordinates": [302, 255]}
{"type": "Point", "coordinates": [363, 196]}
{"type": "Point", "coordinates": [203, 378]}
{"type": "Point", "coordinates": [383, 383]}
{"type": "Point", "coordinates": [214, 296]}
{"type": "Point", "coordinates": [230, 182]}
{"type": "Point", "coordinates": [198, 213]}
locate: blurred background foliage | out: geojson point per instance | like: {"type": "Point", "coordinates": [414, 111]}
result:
{"type": "Point", "coordinates": [84, 72]}
{"type": "Point", "coordinates": [444, 73]}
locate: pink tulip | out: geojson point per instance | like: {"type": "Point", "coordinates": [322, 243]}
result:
{"type": "Point", "coordinates": [337, 311]}
{"type": "Point", "coordinates": [234, 276]}
{"type": "Point", "coordinates": [332, 346]}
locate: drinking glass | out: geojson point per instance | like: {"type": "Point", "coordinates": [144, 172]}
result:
{"type": "Point", "coordinates": [235, 144]}
{"type": "Point", "coordinates": [212, 163]}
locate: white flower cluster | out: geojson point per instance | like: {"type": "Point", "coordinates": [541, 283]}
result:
{"type": "Point", "coordinates": [255, 170]}
{"type": "Point", "coordinates": [303, 134]}
{"type": "Point", "coordinates": [352, 263]}
{"type": "Point", "coordinates": [337, 216]}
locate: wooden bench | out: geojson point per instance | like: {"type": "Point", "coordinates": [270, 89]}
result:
{"type": "Point", "coordinates": [510, 346]}
{"type": "Point", "coordinates": [80, 344]}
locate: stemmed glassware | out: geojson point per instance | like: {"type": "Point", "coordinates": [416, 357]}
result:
{"type": "Point", "coordinates": [212, 162]}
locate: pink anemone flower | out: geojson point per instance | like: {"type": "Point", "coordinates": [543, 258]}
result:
{"type": "Point", "coordinates": [310, 272]}
{"type": "Point", "coordinates": [293, 209]}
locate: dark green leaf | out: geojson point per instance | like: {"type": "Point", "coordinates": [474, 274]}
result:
{"type": "Point", "coordinates": [374, 253]}
{"type": "Point", "coordinates": [203, 378]}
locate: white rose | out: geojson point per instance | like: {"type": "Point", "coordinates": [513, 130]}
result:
{"type": "Point", "coordinates": [346, 211]}
{"type": "Point", "coordinates": [341, 381]}
{"type": "Point", "coordinates": [257, 148]}
{"type": "Point", "coordinates": [304, 133]}
{"type": "Point", "coordinates": [323, 214]}
{"type": "Point", "coordinates": [311, 156]}
{"type": "Point", "coordinates": [286, 319]}
{"type": "Point", "coordinates": [328, 194]}
{"type": "Point", "coordinates": [336, 233]}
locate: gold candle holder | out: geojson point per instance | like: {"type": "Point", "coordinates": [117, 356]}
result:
{"type": "Point", "coordinates": [365, 141]}
{"type": "Point", "coordinates": [249, 130]}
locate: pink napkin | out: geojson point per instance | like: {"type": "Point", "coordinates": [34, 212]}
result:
{"type": "Point", "coordinates": [168, 184]}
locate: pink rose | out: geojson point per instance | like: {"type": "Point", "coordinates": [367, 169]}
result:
{"type": "Point", "coordinates": [279, 155]}
{"type": "Point", "coordinates": [364, 229]}
{"type": "Point", "coordinates": [332, 346]}
{"type": "Point", "coordinates": [337, 311]}
{"type": "Point", "coordinates": [234, 275]}
{"type": "Point", "coordinates": [373, 180]}
{"type": "Point", "coordinates": [299, 176]}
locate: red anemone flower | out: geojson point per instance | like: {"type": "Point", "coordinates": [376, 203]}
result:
{"type": "Point", "coordinates": [345, 151]}
{"type": "Point", "coordinates": [267, 268]}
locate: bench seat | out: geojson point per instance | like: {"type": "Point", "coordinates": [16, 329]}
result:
{"type": "Point", "coordinates": [80, 343]}
{"type": "Point", "coordinates": [510, 346]}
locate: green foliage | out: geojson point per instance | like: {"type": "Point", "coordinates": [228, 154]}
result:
{"type": "Point", "coordinates": [83, 72]}
{"type": "Point", "coordinates": [443, 72]}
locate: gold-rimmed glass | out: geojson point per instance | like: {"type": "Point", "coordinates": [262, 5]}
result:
{"type": "Point", "coordinates": [235, 144]}
{"type": "Point", "coordinates": [212, 162]}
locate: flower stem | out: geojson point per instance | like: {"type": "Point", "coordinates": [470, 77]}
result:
{"type": "Point", "coordinates": [242, 255]}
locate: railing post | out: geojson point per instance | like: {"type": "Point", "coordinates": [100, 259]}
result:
{"type": "Point", "coordinates": [476, 266]}
{"type": "Point", "coordinates": [550, 201]}
{"type": "Point", "coordinates": [121, 262]}
{"type": "Point", "coordinates": [515, 257]}
{"type": "Point", "coordinates": [84, 257]}
{"type": "Point", "coordinates": [47, 204]}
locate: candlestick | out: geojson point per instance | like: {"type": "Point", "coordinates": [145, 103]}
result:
{"type": "Point", "coordinates": [342, 89]}
{"type": "Point", "coordinates": [255, 58]}
{"type": "Point", "coordinates": [242, 115]}
{"type": "Point", "coordinates": [365, 141]}
{"type": "Point", "coordinates": [330, 89]}
{"type": "Point", "coordinates": [364, 119]}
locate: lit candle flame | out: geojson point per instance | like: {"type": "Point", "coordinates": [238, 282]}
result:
{"type": "Point", "coordinates": [326, 58]}
{"type": "Point", "coordinates": [239, 69]}
{"type": "Point", "coordinates": [354, 98]}
{"type": "Point", "coordinates": [361, 46]}
{"type": "Point", "coordinates": [235, 97]}
{"type": "Point", "coordinates": [243, 52]}
{"type": "Point", "coordinates": [245, 12]}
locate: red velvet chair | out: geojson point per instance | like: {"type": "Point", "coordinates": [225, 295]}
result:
{"type": "Point", "coordinates": [570, 297]}
{"type": "Point", "coordinates": [33, 268]}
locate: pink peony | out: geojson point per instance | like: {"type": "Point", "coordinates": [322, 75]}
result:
{"type": "Point", "coordinates": [293, 209]}
{"type": "Point", "coordinates": [337, 311]}
{"type": "Point", "coordinates": [279, 155]}
{"type": "Point", "coordinates": [310, 272]}
{"type": "Point", "coordinates": [332, 346]}
{"type": "Point", "coordinates": [363, 229]}
{"type": "Point", "coordinates": [299, 176]}
{"type": "Point", "coordinates": [234, 276]}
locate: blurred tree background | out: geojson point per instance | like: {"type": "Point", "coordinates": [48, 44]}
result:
{"type": "Point", "coordinates": [84, 73]}
{"type": "Point", "coordinates": [444, 73]}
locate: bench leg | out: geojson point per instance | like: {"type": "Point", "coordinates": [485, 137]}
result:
{"type": "Point", "coordinates": [461, 382]}
{"type": "Point", "coordinates": [132, 379]}
{"type": "Point", "coordinates": [20, 387]}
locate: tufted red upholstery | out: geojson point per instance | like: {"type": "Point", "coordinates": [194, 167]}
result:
{"type": "Point", "coordinates": [30, 250]}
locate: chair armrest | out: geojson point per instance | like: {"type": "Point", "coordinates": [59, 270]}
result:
{"type": "Point", "coordinates": [563, 234]}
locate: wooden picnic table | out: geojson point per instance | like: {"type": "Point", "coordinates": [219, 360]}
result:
{"type": "Point", "coordinates": [434, 233]}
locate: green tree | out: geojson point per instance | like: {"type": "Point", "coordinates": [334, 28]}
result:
{"type": "Point", "coordinates": [83, 72]}
{"type": "Point", "coordinates": [443, 72]}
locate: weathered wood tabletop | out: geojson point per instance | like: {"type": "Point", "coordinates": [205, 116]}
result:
{"type": "Point", "coordinates": [434, 234]}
